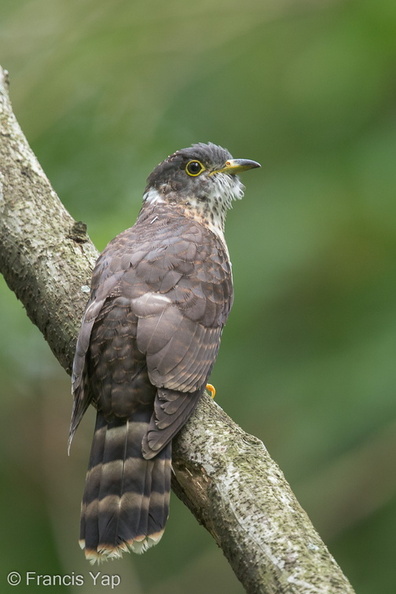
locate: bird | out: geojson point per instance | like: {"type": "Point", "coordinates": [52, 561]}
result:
{"type": "Point", "coordinates": [160, 295]}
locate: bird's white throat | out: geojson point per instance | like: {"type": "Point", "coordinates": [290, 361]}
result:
{"type": "Point", "coordinates": [209, 208]}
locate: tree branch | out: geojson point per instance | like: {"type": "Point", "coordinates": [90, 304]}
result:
{"type": "Point", "coordinates": [224, 475]}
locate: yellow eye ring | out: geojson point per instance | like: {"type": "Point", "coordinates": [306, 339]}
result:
{"type": "Point", "coordinates": [194, 168]}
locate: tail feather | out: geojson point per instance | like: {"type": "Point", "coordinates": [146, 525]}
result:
{"type": "Point", "coordinates": [126, 499]}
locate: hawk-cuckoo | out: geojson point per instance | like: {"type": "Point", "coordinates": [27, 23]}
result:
{"type": "Point", "coordinates": [161, 293]}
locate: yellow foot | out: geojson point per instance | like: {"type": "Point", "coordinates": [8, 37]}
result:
{"type": "Point", "coordinates": [211, 389]}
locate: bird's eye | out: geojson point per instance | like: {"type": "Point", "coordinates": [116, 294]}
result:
{"type": "Point", "coordinates": [194, 168]}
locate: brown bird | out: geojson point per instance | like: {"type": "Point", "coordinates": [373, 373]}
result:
{"type": "Point", "coordinates": [161, 293]}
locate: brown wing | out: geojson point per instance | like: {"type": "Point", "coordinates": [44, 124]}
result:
{"type": "Point", "coordinates": [104, 279]}
{"type": "Point", "coordinates": [173, 274]}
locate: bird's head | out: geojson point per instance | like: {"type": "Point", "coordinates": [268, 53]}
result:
{"type": "Point", "coordinates": [202, 179]}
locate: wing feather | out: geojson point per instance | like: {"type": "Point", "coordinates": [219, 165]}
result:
{"type": "Point", "coordinates": [171, 411]}
{"type": "Point", "coordinates": [173, 276]}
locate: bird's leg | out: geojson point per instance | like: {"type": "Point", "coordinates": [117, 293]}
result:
{"type": "Point", "coordinates": [211, 390]}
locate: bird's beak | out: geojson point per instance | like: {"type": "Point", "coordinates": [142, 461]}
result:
{"type": "Point", "coordinates": [234, 166]}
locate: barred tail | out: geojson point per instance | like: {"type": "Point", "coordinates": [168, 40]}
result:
{"type": "Point", "coordinates": [126, 498]}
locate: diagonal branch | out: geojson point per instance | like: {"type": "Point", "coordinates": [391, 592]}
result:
{"type": "Point", "coordinates": [224, 475]}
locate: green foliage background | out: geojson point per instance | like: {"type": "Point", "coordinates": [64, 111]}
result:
{"type": "Point", "coordinates": [104, 91]}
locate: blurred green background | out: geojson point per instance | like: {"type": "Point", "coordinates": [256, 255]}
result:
{"type": "Point", "coordinates": [104, 91]}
